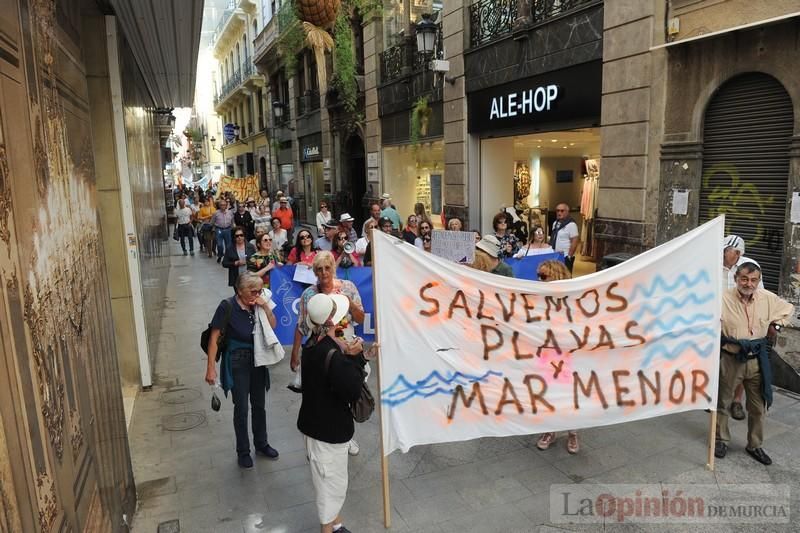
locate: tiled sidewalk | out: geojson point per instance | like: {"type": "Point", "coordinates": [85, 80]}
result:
{"type": "Point", "coordinates": [185, 465]}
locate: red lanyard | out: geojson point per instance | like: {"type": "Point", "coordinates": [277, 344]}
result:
{"type": "Point", "coordinates": [749, 323]}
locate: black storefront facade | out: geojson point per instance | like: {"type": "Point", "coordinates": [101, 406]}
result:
{"type": "Point", "coordinates": [533, 115]}
{"type": "Point", "coordinates": [732, 140]}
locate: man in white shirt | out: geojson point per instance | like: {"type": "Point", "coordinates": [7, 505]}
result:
{"type": "Point", "coordinates": [564, 235]}
{"type": "Point", "coordinates": [374, 216]}
{"type": "Point", "coordinates": [326, 241]}
{"type": "Point", "coordinates": [184, 221]}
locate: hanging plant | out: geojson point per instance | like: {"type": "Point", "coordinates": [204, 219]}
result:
{"type": "Point", "coordinates": [320, 41]}
{"type": "Point", "coordinates": [344, 63]}
{"type": "Point", "coordinates": [420, 117]}
{"type": "Point", "coordinates": [291, 40]}
{"type": "Point", "coordinates": [366, 8]}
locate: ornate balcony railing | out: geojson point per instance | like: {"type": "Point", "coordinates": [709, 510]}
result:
{"type": "Point", "coordinates": [489, 19]}
{"type": "Point", "coordinates": [228, 87]}
{"type": "Point", "coordinates": [247, 68]}
{"type": "Point", "coordinates": [492, 19]}
{"type": "Point", "coordinates": [403, 58]}
{"type": "Point", "coordinates": [307, 103]}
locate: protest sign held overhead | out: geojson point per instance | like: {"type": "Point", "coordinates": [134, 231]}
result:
{"type": "Point", "coordinates": [458, 246]}
{"type": "Point", "coordinates": [465, 354]}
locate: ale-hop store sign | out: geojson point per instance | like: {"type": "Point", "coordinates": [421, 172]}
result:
{"type": "Point", "coordinates": [524, 102]}
{"type": "Point", "coordinates": [570, 94]}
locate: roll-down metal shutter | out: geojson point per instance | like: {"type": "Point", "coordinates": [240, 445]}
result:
{"type": "Point", "coordinates": [748, 126]}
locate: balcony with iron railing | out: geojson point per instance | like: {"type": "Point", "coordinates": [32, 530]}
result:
{"type": "Point", "coordinates": [493, 19]}
{"type": "Point", "coordinates": [403, 59]}
{"type": "Point", "coordinates": [307, 103]}
{"type": "Point", "coordinates": [228, 86]}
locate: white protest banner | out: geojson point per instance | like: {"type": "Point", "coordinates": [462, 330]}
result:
{"type": "Point", "coordinates": [465, 354]}
{"type": "Point", "coordinates": [458, 246]}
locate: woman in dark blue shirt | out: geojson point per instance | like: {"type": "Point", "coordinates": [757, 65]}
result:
{"type": "Point", "coordinates": [238, 372]}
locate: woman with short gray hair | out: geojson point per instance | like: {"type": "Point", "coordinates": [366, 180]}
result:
{"type": "Point", "coordinates": [236, 318]}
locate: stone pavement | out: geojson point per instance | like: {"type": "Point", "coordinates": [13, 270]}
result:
{"type": "Point", "coordinates": [186, 474]}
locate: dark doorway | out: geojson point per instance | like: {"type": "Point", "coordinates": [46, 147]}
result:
{"type": "Point", "coordinates": [354, 181]}
{"type": "Point", "coordinates": [262, 173]}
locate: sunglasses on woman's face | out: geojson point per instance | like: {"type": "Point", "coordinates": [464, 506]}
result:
{"type": "Point", "coordinates": [543, 277]}
{"type": "Point", "coordinates": [426, 239]}
{"type": "Point", "coordinates": [238, 235]}
{"type": "Point", "coordinates": [323, 206]}
{"type": "Point", "coordinates": [304, 237]}
{"type": "Point", "coordinates": [342, 238]}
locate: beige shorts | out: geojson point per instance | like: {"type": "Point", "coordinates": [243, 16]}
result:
{"type": "Point", "coordinates": [328, 464]}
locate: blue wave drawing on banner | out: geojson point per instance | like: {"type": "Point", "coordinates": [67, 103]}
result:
{"type": "Point", "coordinates": [697, 331]}
{"type": "Point", "coordinates": [672, 302]}
{"type": "Point", "coordinates": [435, 381]}
{"type": "Point", "coordinates": [669, 325]}
{"type": "Point", "coordinates": [674, 352]}
{"type": "Point", "coordinates": [659, 283]}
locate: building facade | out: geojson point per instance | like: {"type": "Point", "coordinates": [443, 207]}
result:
{"type": "Point", "coordinates": [317, 131]}
{"type": "Point", "coordinates": [731, 134]}
{"type": "Point", "coordinates": [240, 92]}
{"type": "Point", "coordinates": [626, 111]}
{"type": "Point", "coordinates": [83, 266]}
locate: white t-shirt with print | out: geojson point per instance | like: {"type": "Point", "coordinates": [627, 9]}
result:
{"type": "Point", "coordinates": [184, 215]}
{"type": "Point", "coordinates": [564, 236]}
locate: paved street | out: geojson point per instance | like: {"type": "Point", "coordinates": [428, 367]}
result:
{"type": "Point", "coordinates": [185, 465]}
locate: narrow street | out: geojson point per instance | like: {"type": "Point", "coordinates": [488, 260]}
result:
{"type": "Point", "coordinates": [185, 465]}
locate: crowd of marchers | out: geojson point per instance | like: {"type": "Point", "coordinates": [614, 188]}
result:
{"type": "Point", "coordinates": [253, 237]}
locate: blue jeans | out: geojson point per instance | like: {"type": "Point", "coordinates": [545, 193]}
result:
{"type": "Point", "coordinates": [253, 382]}
{"type": "Point", "coordinates": [223, 240]}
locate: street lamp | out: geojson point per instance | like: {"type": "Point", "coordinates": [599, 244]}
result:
{"type": "Point", "coordinates": [277, 110]}
{"type": "Point", "coordinates": [426, 35]}
{"type": "Point", "coordinates": [213, 141]}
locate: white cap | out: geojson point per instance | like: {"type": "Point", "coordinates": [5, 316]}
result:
{"type": "Point", "coordinates": [489, 244]}
{"type": "Point", "coordinates": [386, 196]}
{"type": "Point", "coordinates": [345, 217]}
{"type": "Point", "coordinates": [734, 241]}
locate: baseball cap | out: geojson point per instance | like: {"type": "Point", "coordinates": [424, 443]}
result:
{"type": "Point", "coordinates": [734, 241]}
{"type": "Point", "coordinates": [490, 245]}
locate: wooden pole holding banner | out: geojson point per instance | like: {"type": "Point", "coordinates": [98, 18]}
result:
{"type": "Point", "coordinates": [387, 505]}
{"type": "Point", "coordinates": [712, 432]}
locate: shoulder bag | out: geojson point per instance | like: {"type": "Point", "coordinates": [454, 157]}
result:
{"type": "Point", "coordinates": [362, 408]}
{"type": "Point", "coordinates": [206, 335]}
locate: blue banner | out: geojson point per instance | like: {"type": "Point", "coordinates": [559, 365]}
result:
{"type": "Point", "coordinates": [286, 293]}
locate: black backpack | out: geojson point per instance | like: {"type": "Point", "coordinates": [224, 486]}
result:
{"type": "Point", "coordinates": [206, 335]}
